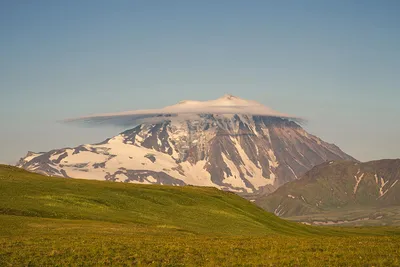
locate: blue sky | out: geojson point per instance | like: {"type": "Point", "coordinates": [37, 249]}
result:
{"type": "Point", "coordinates": [336, 63]}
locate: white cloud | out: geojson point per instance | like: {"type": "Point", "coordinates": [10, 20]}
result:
{"type": "Point", "coordinates": [227, 104]}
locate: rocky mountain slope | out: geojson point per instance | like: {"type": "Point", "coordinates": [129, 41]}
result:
{"type": "Point", "coordinates": [243, 153]}
{"type": "Point", "coordinates": [338, 186]}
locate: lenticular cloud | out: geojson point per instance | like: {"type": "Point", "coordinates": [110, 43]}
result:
{"type": "Point", "coordinates": [226, 105]}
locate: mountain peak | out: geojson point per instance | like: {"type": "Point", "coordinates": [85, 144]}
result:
{"type": "Point", "coordinates": [229, 97]}
{"type": "Point", "coordinates": [233, 101]}
{"type": "Point", "coordinates": [244, 154]}
{"type": "Point", "coordinates": [225, 100]}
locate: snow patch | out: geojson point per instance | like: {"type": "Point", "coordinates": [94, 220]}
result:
{"type": "Point", "coordinates": [151, 179]}
{"type": "Point", "coordinates": [273, 162]}
{"type": "Point", "coordinates": [121, 177]}
{"type": "Point", "coordinates": [32, 156]}
{"type": "Point", "coordinates": [257, 180]}
{"type": "Point", "coordinates": [382, 183]}
{"type": "Point", "coordinates": [196, 174]}
{"type": "Point", "coordinates": [358, 180]}
{"type": "Point", "coordinates": [279, 210]}
{"type": "Point", "coordinates": [290, 168]}
{"type": "Point", "coordinates": [234, 179]}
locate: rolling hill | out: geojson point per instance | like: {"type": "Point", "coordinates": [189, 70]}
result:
{"type": "Point", "coordinates": [340, 187]}
{"type": "Point", "coordinates": [188, 208]}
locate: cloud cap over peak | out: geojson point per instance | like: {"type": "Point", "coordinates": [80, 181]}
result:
{"type": "Point", "coordinates": [227, 104]}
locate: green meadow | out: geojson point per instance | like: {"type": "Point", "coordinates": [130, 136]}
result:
{"type": "Point", "coordinates": [48, 221]}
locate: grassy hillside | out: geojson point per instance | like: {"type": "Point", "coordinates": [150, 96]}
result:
{"type": "Point", "coordinates": [71, 222]}
{"type": "Point", "coordinates": [193, 209]}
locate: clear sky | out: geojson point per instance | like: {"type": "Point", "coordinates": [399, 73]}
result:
{"type": "Point", "coordinates": [336, 63]}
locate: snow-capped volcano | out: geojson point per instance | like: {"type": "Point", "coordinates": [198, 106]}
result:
{"type": "Point", "coordinates": [230, 143]}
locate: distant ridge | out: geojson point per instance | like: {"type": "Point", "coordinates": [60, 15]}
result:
{"type": "Point", "coordinates": [338, 186]}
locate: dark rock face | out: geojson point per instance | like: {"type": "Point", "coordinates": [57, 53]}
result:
{"type": "Point", "coordinates": [149, 177]}
{"type": "Point", "coordinates": [151, 157]}
{"type": "Point", "coordinates": [249, 155]}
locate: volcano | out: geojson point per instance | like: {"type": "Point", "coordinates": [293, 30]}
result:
{"type": "Point", "coordinates": [230, 143]}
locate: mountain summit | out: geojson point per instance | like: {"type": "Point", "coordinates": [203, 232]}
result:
{"type": "Point", "coordinates": [229, 143]}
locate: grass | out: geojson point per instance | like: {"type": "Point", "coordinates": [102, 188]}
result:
{"type": "Point", "coordinates": [47, 221]}
{"type": "Point", "coordinates": [192, 209]}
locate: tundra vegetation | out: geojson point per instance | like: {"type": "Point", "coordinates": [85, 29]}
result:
{"type": "Point", "coordinates": [71, 222]}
